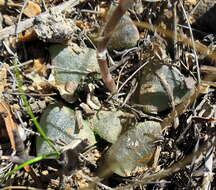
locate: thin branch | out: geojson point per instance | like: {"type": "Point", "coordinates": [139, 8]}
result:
{"type": "Point", "coordinates": [20, 16]}
{"type": "Point", "coordinates": [193, 44]}
{"type": "Point", "coordinates": [105, 73]}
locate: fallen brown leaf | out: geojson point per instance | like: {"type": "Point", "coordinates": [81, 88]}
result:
{"type": "Point", "coordinates": [32, 9]}
{"type": "Point", "coordinates": [9, 122]}
{"type": "Point", "coordinates": [38, 67]}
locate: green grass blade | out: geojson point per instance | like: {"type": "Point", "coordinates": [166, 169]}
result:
{"type": "Point", "coordinates": [29, 110]}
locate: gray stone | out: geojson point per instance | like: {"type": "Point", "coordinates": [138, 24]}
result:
{"type": "Point", "coordinates": [71, 64]}
{"type": "Point", "coordinates": [125, 35]}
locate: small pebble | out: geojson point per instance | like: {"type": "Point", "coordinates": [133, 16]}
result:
{"type": "Point", "coordinates": [72, 63]}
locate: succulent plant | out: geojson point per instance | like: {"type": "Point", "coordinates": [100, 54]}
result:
{"type": "Point", "coordinates": [59, 124]}
{"type": "Point", "coordinates": [134, 148]}
{"type": "Point", "coordinates": [158, 85]}
{"type": "Point", "coordinates": [107, 125]}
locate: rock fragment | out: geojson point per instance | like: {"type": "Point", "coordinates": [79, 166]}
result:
{"type": "Point", "coordinates": [70, 65]}
{"type": "Point", "coordinates": [126, 33]}
{"type": "Point", "coordinates": [59, 124]}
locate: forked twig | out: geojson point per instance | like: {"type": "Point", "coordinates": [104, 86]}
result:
{"type": "Point", "coordinates": [21, 156]}
{"type": "Point", "coordinates": [15, 139]}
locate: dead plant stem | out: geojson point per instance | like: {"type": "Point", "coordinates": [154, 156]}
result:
{"type": "Point", "coordinates": [104, 39]}
{"type": "Point", "coordinates": [193, 44]}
